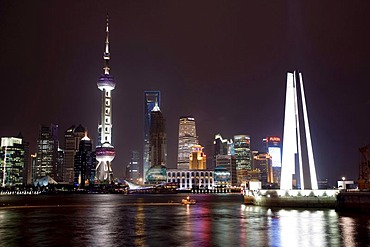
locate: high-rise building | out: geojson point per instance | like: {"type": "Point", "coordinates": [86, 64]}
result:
{"type": "Point", "coordinates": [72, 138]}
{"type": "Point", "coordinates": [243, 157]}
{"type": "Point", "coordinates": [12, 161]}
{"type": "Point", "coordinates": [84, 164]}
{"type": "Point", "coordinates": [297, 137]}
{"type": "Point", "coordinates": [59, 165]}
{"type": "Point", "coordinates": [133, 168]}
{"type": "Point", "coordinates": [187, 139]}
{"type": "Point", "coordinates": [229, 163]}
{"type": "Point", "coordinates": [47, 149]}
{"type": "Point", "coordinates": [222, 146]}
{"type": "Point", "coordinates": [105, 152]}
{"type": "Point", "coordinates": [197, 159]}
{"type": "Point", "coordinates": [272, 146]}
{"type": "Point", "coordinates": [151, 98]}
{"type": "Point", "coordinates": [33, 166]}
{"type": "Point", "coordinates": [262, 162]}
{"type": "Point", "coordinates": [157, 148]}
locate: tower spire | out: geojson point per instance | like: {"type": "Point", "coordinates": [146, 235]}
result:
{"type": "Point", "coordinates": [106, 51]}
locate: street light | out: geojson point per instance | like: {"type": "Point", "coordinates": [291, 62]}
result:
{"type": "Point", "coordinates": [344, 184]}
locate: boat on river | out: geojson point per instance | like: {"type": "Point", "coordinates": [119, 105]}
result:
{"type": "Point", "coordinates": [188, 201]}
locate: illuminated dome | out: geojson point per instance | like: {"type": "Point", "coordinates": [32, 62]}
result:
{"type": "Point", "coordinates": [105, 152]}
{"type": "Point", "coordinates": [106, 81]}
{"type": "Point", "coordinates": [156, 174]}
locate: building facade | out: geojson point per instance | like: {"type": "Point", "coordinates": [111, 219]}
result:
{"type": "Point", "coordinates": [243, 157]}
{"type": "Point", "coordinates": [229, 163]}
{"type": "Point", "coordinates": [221, 146]}
{"type": "Point", "coordinates": [187, 139]}
{"type": "Point", "coordinates": [157, 148]}
{"type": "Point", "coordinates": [84, 164]}
{"type": "Point", "coordinates": [151, 98]}
{"type": "Point", "coordinates": [262, 167]}
{"type": "Point", "coordinates": [272, 146]}
{"type": "Point", "coordinates": [132, 171]}
{"type": "Point", "coordinates": [13, 160]}
{"type": "Point", "coordinates": [47, 149]}
{"type": "Point", "coordinates": [191, 179]}
{"type": "Point", "coordinates": [72, 138]}
{"type": "Point", "coordinates": [197, 158]}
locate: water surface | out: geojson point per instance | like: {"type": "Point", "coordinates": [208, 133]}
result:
{"type": "Point", "coordinates": [152, 220]}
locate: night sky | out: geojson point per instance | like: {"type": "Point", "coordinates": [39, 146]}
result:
{"type": "Point", "coordinates": [223, 62]}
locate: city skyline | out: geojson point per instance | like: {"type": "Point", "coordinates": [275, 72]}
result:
{"type": "Point", "coordinates": [238, 53]}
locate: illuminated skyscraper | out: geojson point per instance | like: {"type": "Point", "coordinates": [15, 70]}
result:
{"type": "Point", "coordinates": [105, 152]}
{"type": "Point", "coordinates": [187, 139]}
{"type": "Point", "coordinates": [84, 163]}
{"type": "Point", "coordinates": [272, 146]}
{"type": "Point", "coordinates": [47, 153]}
{"type": "Point", "coordinates": [72, 138]}
{"type": "Point", "coordinates": [151, 98]}
{"type": "Point", "coordinates": [295, 107]}
{"type": "Point", "coordinates": [132, 172]}
{"type": "Point", "coordinates": [157, 148]}
{"type": "Point", "coordinates": [242, 149]}
{"type": "Point", "coordinates": [12, 161]}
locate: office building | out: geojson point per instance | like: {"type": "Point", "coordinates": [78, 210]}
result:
{"type": "Point", "coordinates": [197, 158]}
{"type": "Point", "coordinates": [13, 161]}
{"type": "Point", "coordinates": [222, 146]}
{"type": "Point", "coordinates": [243, 157]}
{"type": "Point", "coordinates": [132, 171]}
{"type": "Point", "coordinates": [72, 138]}
{"type": "Point", "coordinates": [47, 149]}
{"type": "Point", "coordinates": [297, 137]}
{"type": "Point", "coordinates": [272, 146]}
{"type": "Point", "coordinates": [105, 151]}
{"type": "Point", "coordinates": [84, 163]}
{"type": "Point", "coordinates": [151, 98]}
{"type": "Point", "coordinates": [187, 139]}
{"type": "Point", "coordinates": [262, 166]}
{"type": "Point", "coordinates": [157, 148]}
{"type": "Point", "coordinates": [228, 162]}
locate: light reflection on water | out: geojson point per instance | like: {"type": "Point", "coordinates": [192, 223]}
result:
{"type": "Point", "coordinates": [216, 220]}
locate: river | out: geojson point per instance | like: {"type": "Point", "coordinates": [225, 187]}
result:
{"type": "Point", "coordinates": [158, 220]}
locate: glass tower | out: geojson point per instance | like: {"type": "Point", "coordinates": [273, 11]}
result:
{"type": "Point", "coordinates": [187, 139]}
{"type": "Point", "coordinates": [47, 152]}
{"type": "Point", "coordinates": [242, 151]}
{"type": "Point", "coordinates": [150, 100]}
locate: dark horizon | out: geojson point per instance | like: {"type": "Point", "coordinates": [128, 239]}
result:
{"type": "Point", "coordinates": [224, 63]}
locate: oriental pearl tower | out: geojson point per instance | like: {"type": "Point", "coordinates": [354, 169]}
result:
{"type": "Point", "coordinates": [105, 151]}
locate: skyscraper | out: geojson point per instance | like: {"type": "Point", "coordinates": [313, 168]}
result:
{"type": "Point", "coordinates": [157, 147]}
{"type": "Point", "coordinates": [84, 163]}
{"type": "Point", "coordinates": [72, 138]}
{"type": "Point", "coordinates": [262, 164]}
{"type": "Point", "coordinates": [187, 139]}
{"type": "Point", "coordinates": [12, 161]}
{"type": "Point", "coordinates": [47, 149]}
{"type": "Point", "coordinates": [272, 145]}
{"type": "Point", "coordinates": [295, 107]}
{"type": "Point", "coordinates": [105, 152]}
{"type": "Point", "coordinates": [242, 151]}
{"type": "Point", "coordinates": [221, 146]}
{"type": "Point", "coordinates": [151, 98]}
{"type": "Point", "coordinates": [229, 163]}
{"type": "Point", "coordinates": [133, 167]}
